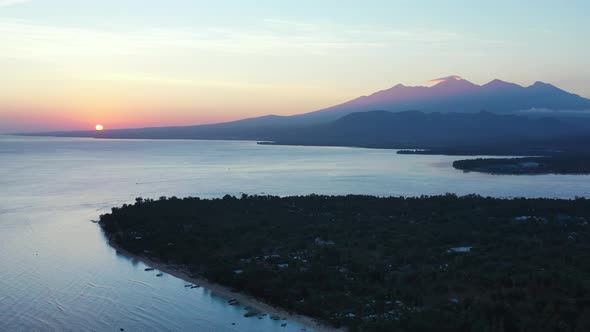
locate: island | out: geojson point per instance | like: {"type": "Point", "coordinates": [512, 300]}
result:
{"type": "Point", "coordinates": [429, 263]}
{"type": "Point", "coordinates": [527, 165]}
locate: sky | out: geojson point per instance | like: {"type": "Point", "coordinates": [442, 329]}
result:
{"type": "Point", "coordinates": [71, 64]}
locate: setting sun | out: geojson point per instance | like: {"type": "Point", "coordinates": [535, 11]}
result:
{"type": "Point", "coordinates": [99, 127]}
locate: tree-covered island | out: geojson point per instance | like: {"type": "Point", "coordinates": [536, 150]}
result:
{"type": "Point", "coordinates": [527, 165]}
{"type": "Point", "coordinates": [441, 263]}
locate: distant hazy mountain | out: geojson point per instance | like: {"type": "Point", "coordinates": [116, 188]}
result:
{"type": "Point", "coordinates": [449, 115]}
{"type": "Point", "coordinates": [261, 128]}
{"type": "Point", "coordinates": [454, 94]}
{"type": "Point", "coordinates": [454, 133]}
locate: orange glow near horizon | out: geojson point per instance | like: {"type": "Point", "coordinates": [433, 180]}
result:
{"type": "Point", "coordinates": [128, 108]}
{"type": "Point", "coordinates": [37, 118]}
{"type": "Point", "coordinates": [70, 70]}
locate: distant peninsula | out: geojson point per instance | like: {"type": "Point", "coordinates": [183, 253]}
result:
{"type": "Point", "coordinates": [530, 165]}
{"type": "Point", "coordinates": [430, 263]}
{"type": "Point", "coordinates": [558, 163]}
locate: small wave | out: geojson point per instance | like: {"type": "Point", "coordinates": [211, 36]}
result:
{"type": "Point", "coordinates": [98, 286]}
{"type": "Point", "coordinates": [139, 282]}
{"type": "Point", "coordinates": [102, 298]}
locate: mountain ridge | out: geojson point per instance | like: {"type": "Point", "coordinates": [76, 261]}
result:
{"type": "Point", "coordinates": [448, 113]}
{"type": "Point", "coordinates": [455, 94]}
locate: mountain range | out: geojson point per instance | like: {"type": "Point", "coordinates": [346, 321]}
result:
{"type": "Point", "coordinates": [455, 94]}
{"type": "Point", "coordinates": [450, 114]}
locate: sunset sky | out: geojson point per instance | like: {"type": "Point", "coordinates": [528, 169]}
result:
{"type": "Point", "coordinates": [71, 64]}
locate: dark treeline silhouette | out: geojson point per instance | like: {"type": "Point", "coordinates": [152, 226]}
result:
{"type": "Point", "coordinates": [528, 165]}
{"type": "Point", "coordinates": [440, 263]}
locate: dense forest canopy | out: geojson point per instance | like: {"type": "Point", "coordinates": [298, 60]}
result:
{"type": "Point", "coordinates": [440, 263]}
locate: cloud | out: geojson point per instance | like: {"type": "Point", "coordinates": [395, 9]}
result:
{"type": "Point", "coordinates": [176, 55]}
{"type": "Point", "coordinates": [6, 3]}
{"type": "Point", "coordinates": [21, 38]}
{"type": "Point", "coordinates": [153, 79]}
{"type": "Point", "coordinates": [443, 79]}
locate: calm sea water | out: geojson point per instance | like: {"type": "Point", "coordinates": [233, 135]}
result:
{"type": "Point", "coordinates": [57, 273]}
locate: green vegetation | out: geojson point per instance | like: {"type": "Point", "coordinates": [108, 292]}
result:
{"type": "Point", "coordinates": [441, 263]}
{"type": "Point", "coordinates": [527, 165]}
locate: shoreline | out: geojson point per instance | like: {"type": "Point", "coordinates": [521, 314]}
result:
{"type": "Point", "coordinates": [225, 292]}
